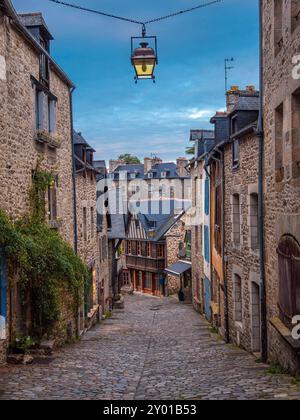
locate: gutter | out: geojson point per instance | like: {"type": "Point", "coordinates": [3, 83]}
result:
{"type": "Point", "coordinates": [35, 44]}
{"type": "Point", "coordinates": [74, 174]}
{"type": "Point", "coordinates": [260, 134]}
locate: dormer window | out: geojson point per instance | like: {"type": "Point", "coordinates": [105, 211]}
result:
{"type": "Point", "coordinates": [133, 175]}
{"type": "Point", "coordinates": [150, 175]}
{"type": "Point", "coordinates": [164, 174]}
{"type": "Point", "coordinates": [44, 70]}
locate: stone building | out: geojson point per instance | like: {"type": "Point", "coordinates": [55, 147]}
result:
{"type": "Point", "coordinates": [89, 244]}
{"type": "Point", "coordinates": [240, 151]}
{"type": "Point", "coordinates": [200, 221]}
{"type": "Point", "coordinates": [281, 102]}
{"type": "Point", "coordinates": [150, 244]}
{"type": "Point", "coordinates": [154, 179]}
{"type": "Point", "coordinates": [35, 132]}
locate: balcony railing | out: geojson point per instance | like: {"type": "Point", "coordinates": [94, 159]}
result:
{"type": "Point", "coordinates": [145, 264]}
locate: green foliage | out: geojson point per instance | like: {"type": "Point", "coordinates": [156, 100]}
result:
{"type": "Point", "coordinates": [129, 159]}
{"type": "Point", "coordinates": [24, 342]}
{"type": "Point", "coordinates": [276, 369]}
{"type": "Point", "coordinates": [190, 150]}
{"type": "Point", "coordinates": [47, 266]}
{"type": "Point", "coordinates": [41, 181]}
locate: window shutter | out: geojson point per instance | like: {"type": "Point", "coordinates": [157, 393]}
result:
{"type": "Point", "coordinates": [206, 196]}
{"type": "Point", "coordinates": [206, 244]}
{"type": "Point", "coordinates": [40, 122]}
{"type": "Point", "coordinates": [52, 116]}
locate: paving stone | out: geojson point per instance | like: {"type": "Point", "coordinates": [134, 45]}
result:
{"type": "Point", "coordinates": [143, 354]}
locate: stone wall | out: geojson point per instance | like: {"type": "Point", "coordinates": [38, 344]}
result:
{"type": "Point", "coordinates": [174, 237]}
{"type": "Point", "coordinates": [243, 261]}
{"type": "Point", "coordinates": [19, 152]}
{"type": "Point", "coordinates": [282, 190]}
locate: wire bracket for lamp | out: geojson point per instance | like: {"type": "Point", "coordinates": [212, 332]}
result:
{"type": "Point", "coordinates": [137, 22]}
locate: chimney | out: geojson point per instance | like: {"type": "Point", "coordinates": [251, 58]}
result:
{"type": "Point", "coordinates": [250, 88]}
{"type": "Point", "coordinates": [181, 164]}
{"type": "Point", "coordinates": [232, 97]}
{"type": "Point", "coordinates": [113, 164]}
{"type": "Point", "coordinates": [147, 164]}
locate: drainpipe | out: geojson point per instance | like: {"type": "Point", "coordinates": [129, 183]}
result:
{"type": "Point", "coordinates": [260, 134]}
{"type": "Point", "coordinates": [73, 174]}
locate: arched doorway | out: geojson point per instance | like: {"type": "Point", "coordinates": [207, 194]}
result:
{"type": "Point", "coordinates": [289, 278]}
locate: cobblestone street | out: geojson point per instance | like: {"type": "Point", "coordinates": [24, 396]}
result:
{"type": "Point", "coordinates": [155, 349]}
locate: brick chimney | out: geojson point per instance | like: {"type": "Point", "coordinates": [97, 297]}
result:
{"type": "Point", "coordinates": [150, 162]}
{"type": "Point", "coordinates": [147, 164]}
{"type": "Point", "coordinates": [113, 164]}
{"type": "Point", "coordinates": [181, 164]}
{"type": "Point", "coordinates": [232, 97]}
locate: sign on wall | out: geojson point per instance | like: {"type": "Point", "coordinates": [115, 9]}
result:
{"type": "Point", "coordinates": [2, 68]}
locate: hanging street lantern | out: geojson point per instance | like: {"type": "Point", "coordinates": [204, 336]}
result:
{"type": "Point", "coordinates": [144, 58]}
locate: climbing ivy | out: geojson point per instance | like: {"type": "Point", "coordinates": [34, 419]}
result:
{"type": "Point", "coordinates": [47, 266]}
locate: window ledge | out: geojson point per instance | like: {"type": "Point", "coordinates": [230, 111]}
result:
{"type": "Point", "coordinates": [42, 136]}
{"type": "Point", "coordinates": [285, 333]}
{"type": "Point", "coordinates": [55, 224]}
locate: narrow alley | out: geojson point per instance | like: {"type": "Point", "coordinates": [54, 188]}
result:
{"type": "Point", "coordinates": [154, 349]}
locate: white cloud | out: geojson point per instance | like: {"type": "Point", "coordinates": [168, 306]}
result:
{"type": "Point", "coordinates": [198, 114]}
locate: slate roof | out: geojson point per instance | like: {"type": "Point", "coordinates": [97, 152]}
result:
{"type": "Point", "coordinates": [10, 11]}
{"type": "Point", "coordinates": [247, 103]}
{"type": "Point", "coordinates": [35, 19]}
{"type": "Point", "coordinates": [157, 170]}
{"type": "Point", "coordinates": [202, 135]}
{"type": "Point", "coordinates": [179, 268]}
{"type": "Point", "coordinates": [78, 139]}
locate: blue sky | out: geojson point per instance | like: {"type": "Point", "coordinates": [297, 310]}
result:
{"type": "Point", "coordinates": [115, 115]}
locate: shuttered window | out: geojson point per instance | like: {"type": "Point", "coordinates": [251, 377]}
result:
{"type": "Point", "coordinates": [289, 278]}
{"type": "Point", "coordinates": [206, 244]}
{"type": "Point", "coordinates": [206, 205]}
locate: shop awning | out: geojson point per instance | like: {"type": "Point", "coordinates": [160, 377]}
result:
{"type": "Point", "coordinates": [179, 268]}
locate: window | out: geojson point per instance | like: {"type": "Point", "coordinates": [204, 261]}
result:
{"type": "Point", "coordinates": [148, 249]}
{"type": "Point", "coordinates": [172, 192]}
{"type": "Point", "coordinates": [296, 134]}
{"type": "Point", "coordinates": [278, 25]}
{"type": "Point", "coordinates": [254, 221]}
{"type": "Point", "coordinates": [197, 239]}
{"type": "Point", "coordinates": [238, 299]}
{"type": "Point", "coordinates": [164, 174]}
{"type": "Point", "coordinates": [39, 109]}
{"type": "Point", "coordinates": [295, 14]}
{"type": "Point", "coordinates": [139, 248]}
{"type": "Point", "coordinates": [188, 245]}
{"type": "Point", "coordinates": [234, 125]}
{"type": "Point", "coordinates": [148, 281]}
{"type": "Point", "coordinates": [289, 279]}
{"type": "Point", "coordinates": [129, 247]}
{"type": "Point", "coordinates": [279, 169]}
{"type": "Point", "coordinates": [52, 201]}
{"type": "Point", "coordinates": [236, 219]}
{"type": "Point", "coordinates": [51, 115]}
{"type": "Point", "coordinates": [161, 251]}
{"type": "Point", "coordinates": [84, 223]}
{"type": "Point", "coordinates": [92, 222]}
{"type": "Point", "coordinates": [44, 70]}
{"type": "Point", "coordinates": [235, 153]}
{"type": "Point", "coordinates": [139, 276]}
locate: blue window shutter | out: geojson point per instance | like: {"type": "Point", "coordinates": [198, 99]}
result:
{"type": "Point", "coordinates": [52, 116]}
{"type": "Point", "coordinates": [206, 196]}
{"type": "Point", "coordinates": [206, 244]}
{"type": "Point", "coordinates": [40, 110]}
